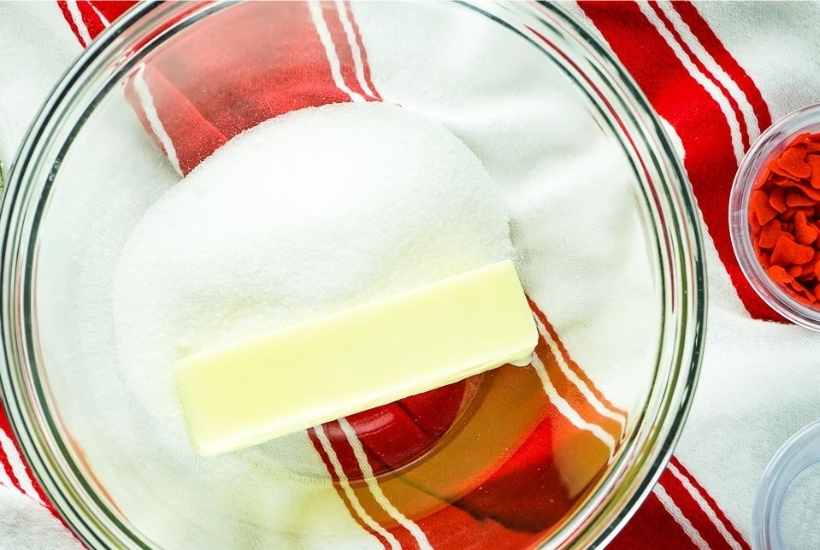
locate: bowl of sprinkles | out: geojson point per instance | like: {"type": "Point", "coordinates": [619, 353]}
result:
{"type": "Point", "coordinates": [774, 216]}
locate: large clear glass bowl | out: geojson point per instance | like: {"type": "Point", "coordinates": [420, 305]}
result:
{"type": "Point", "coordinates": [621, 275]}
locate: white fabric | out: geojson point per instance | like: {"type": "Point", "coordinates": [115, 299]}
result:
{"type": "Point", "coordinates": [36, 47]}
{"type": "Point", "coordinates": [760, 380]}
{"type": "Point", "coordinates": [27, 525]}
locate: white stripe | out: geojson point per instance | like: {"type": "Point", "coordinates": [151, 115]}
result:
{"type": "Point", "coordinates": [6, 480]}
{"type": "Point", "coordinates": [349, 493]}
{"type": "Point", "coordinates": [147, 104]}
{"type": "Point", "coordinates": [705, 507]}
{"type": "Point", "coordinates": [330, 50]}
{"type": "Point", "coordinates": [599, 407]}
{"type": "Point", "coordinates": [376, 490]}
{"type": "Point", "coordinates": [677, 514]}
{"type": "Point", "coordinates": [358, 61]}
{"type": "Point", "coordinates": [566, 409]}
{"type": "Point", "coordinates": [686, 35]}
{"type": "Point", "coordinates": [17, 466]}
{"type": "Point", "coordinates": [708, 85]}
{"type": "Point", "coordinates": [77, 17]}
{"type": "Point", "coordinates": [105, 22]}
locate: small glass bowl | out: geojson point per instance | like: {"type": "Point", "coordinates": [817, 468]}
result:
{"type": "Point", "coordinates": [769, 144]}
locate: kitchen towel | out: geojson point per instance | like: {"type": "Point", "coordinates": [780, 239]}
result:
{"type": "Point", "coordinates": [717, 87]}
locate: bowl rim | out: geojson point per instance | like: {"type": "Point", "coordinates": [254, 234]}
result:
{"type": "Point", "coordinates": [635, 468]}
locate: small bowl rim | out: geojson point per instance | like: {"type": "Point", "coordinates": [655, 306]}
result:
{"type": "Point", "coordinates": [769, 142]}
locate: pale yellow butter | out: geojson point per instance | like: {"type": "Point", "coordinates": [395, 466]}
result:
{"type": "Point", "coordinates": [360, 358]}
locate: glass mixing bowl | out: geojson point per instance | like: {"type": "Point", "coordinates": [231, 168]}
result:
{"type": "Point", "coordinates": [602, 219]}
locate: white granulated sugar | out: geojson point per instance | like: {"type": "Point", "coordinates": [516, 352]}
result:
{"type": "Point", "coordinates": [298, 217]}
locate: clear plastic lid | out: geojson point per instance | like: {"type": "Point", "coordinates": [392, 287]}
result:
{"type": "Point", "coordinates": [772, 511]}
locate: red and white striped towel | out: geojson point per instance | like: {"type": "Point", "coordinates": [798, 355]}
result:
{"type": "Point", "coordinates": [714, 82]}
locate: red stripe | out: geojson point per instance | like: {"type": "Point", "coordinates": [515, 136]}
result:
{"type": "Point", "coordinates": [523, 493]}
{"type": "Point", "coordinates": [452, 527]}
{"type": "Point", "coordinates": [329, 467]}
{"type": "Point", "coordinates": [92, 21]}
{"type": "Point", "coordinates": [736, 112]}
{"type": "Point", "coordinates": [193, 136]}
{"type": "Point", "coordinates": [708, 498]}
{"type": "Point", "coordinates": [709, 40]}
{"type": "Point", "coordinates": [712, 44]}
{"type": "Point", "coordinates": [570, 392]}
{"type": "Point", "coordinates": [362, 49]}
{"type": "Point", "coordinates": [709, 161]}
{"type": "Point", "coordinates": [435, 411]}
{"type": "Point", "coordinates": [5, 425]}
{"type": "Point", "coordinates": [393, 437]}
{"type": "Point", "coordinates": [344, 453]}
{"type": "Point", "coordinates": [651, 528]}
{"type": "Point", "coordinates": [573, 366]}
{"type": "Point", "coordinates": [241, 79]}
{"type": "Point", "coordinates": [693, 512]}
{"type": "Point", "coordinates": [6, 465]}
{"type": "Point", "coordinates": [342, 46]}
{"type": "Point", "coordinates": [89, 17]}
{"type": "Point", "coordinates": [112, 9]}
{"type": "Point", "coordinates": [702, 127]}
{"type": "Point", "coordinates": [389, 436]}
{"type": "Point", "coordinates": [70, 20]}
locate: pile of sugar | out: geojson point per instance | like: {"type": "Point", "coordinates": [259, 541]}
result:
{"type": "Point", "coordinates": [298, 217]}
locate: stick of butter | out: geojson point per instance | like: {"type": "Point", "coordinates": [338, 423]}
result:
{"type": "Point", "coordinates": [361, 358]}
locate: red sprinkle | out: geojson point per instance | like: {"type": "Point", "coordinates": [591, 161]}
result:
{"type": "Point", "coordinates": [769, 234]}
{"type": "Point", "coordinates": [777, 199]}
{"type": "Point", "coordinates": [761, 207]}
{"type": "Point", "coordinates": [795, 198]}
{"type": "Point", "coordinates": [763, 177]}
{"type": "Point", "coordinates": [787, 252]}
{"type": "Point", "coordinates": [809, 191]}
{"type": "Point", "coordinates": [801, 139]}
{"type": "Point", "coordinates": [806, 233]}
{"type": "Point", "coordinates": [779, 275]}
{"type": "Point", "coordinates": [792, 161]}
{"type": "Point", "coordinates": [805, 295]}
{"type": "Point", "coordinates": [809, 271]}
{"type": "Point", "coordinates": [814, 162]}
